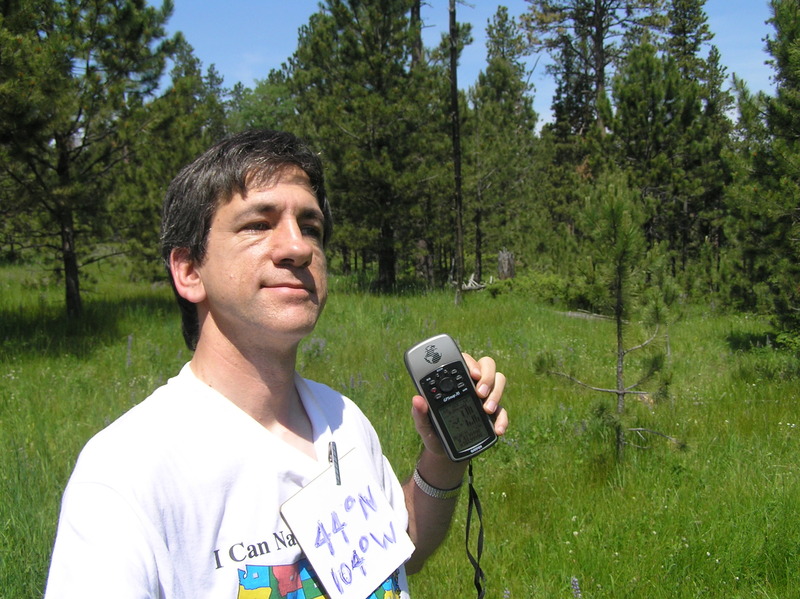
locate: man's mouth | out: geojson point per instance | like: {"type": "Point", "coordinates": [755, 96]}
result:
{"type": "Point", "coordinates": [289, 285]}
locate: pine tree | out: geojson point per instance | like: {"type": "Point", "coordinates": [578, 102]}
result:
{"type": "Point", "coordinates": [363, 99]}
{"type": "Point", "coordinates": [656, 113]}
{"type": "Point", "coordinates": [618, 268]}
{"type": "Point", "coordinates": [707, 175]}
{"type": "Point", "coordinates": [581, 37]}
{"type": "Point", "coordinates": [180, 124]}
{"type": "Point", "coordinates": [74, 79]}
{"type": "Point", "coordinates": [501, 131]}
{"type": "Point", "coordinates": [574, 101]}
{"type": "Point", "coordinates": [747, 262]}
{"type": "Point", "coordinates": [688, 33]}
{"type": "Point", "coordinates": [269, 105]}
{"type": "Point", "coordinates": [770, 239]}
{"type": "Point", "coordinates": [669, 131]}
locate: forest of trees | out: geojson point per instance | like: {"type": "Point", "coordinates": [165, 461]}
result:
{"type": "Point", "coordinates": [90, 136]}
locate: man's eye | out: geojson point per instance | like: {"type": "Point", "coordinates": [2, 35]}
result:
{"type": "Point", "coordinates": [313, 231]}
{"type": "Point", "coordinates": [258, 226]}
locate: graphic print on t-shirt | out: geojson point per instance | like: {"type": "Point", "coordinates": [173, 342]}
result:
{"type": "Point", "coordinates": [296, 581]}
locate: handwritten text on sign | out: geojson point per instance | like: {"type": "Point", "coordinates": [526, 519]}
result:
{"type": "Point", "coordinates": [349, 532]}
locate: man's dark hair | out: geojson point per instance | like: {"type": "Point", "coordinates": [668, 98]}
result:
{"type": "Point", "coordinates": [234, 165]}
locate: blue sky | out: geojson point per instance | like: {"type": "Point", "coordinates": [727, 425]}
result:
{"type": "Point", "coordinates": [244, 39]}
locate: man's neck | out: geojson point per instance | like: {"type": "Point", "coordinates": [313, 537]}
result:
{"type": "Point", "coordinates": [261, 384]}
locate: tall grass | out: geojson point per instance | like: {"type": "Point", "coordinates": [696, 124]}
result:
{"type": "Point", "coordinates": [714, 515]}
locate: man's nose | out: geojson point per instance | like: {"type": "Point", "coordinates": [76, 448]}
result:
{"type": "Point", "coordinates": [290, 245]}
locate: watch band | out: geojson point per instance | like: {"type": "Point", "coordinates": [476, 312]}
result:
{"type": "Point", "coordinates": [435, 492]}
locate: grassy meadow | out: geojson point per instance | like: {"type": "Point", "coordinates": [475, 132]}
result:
{"type": "Point", "coordinates": [712, 512]}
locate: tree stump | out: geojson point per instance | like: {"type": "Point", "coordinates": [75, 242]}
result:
{"type": "Point", "coordinates": [505, 264]}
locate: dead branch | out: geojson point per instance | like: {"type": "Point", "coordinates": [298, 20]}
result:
{"type": "Point", "coordinates": [639, 431]}
{"type": "Point", "coordinates": [585, 314]}
{"type": "Point", "coordinates": [472, 284]}
{"type": "Point", "coordinates": [592, 388]}
{"type": "Point", "coordinates": [102, 257]}
{"type": "Point", "coordinates": [643, 344]}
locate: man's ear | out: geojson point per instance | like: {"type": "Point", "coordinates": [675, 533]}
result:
{"type": "Point", "coordinates": [186, 276]}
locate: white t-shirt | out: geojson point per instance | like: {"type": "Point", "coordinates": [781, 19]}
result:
{"type": "Point", "coordinates": [180, 498]}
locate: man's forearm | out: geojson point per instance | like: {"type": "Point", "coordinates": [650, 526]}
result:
{"type": "Point", "coordinates": [429, 516]}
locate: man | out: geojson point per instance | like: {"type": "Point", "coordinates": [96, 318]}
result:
{"type": "Point", "coordinates": [181, 496]}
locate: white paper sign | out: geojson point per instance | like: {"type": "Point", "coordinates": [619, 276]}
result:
{"type": "Point", "coordinates": [349, 532]}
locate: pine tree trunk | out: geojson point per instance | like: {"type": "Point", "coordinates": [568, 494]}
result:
{"type": "Point", "coordinates": [386, 258]}
{"type": "Point", "coordinates": [416, 25]}
{"type": "Point", "coordinates": [459, 250]}
{"type": "Point", "coordinates": [619, 310]}
{"type": "Point", "coordinates": [70, 263]}
{"type": "Point", "coordinates": [346, 268]}
{"type": "Point", "coordinates": [478, 244]}
{"type": "Point", "coordinates": [66, 221]}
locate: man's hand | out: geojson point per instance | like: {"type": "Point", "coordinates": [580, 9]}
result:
{"type": "Point", "coordinates": [430, 517]}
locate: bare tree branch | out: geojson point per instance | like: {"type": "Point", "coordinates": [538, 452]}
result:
{"type": "Point", "coordinates": [644, 343]}
{"type": "Point", "coordinates": [639, 431]}
{"type": "Point", "coordinates": [600, 389]}
{"type": "Point", "coordinates": [103, 257]}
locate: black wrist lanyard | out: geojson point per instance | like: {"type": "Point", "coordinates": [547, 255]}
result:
{"type": "Point", "coordinates": [475, 560]}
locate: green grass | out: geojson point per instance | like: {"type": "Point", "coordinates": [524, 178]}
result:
{"type": "Point", "coordinates": [712, 516]}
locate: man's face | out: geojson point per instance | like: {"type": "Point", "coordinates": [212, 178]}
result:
{"type": "Point", "coordinates": [264, 274]}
